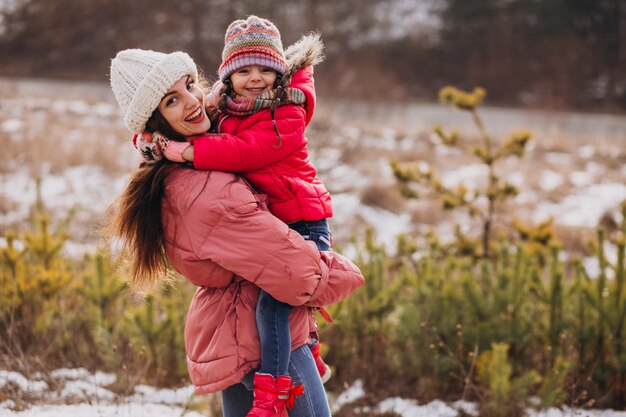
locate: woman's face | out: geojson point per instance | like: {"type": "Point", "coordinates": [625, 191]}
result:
{"type": "Point", "coordinates": [252, 80]}
{"type": "Point", "coordinates": [183, 108]}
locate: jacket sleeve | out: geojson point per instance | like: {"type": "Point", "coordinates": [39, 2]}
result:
{"type": "Point", "coordinates": [303, 80]}
{"type": "Point", "coordinates": [249, 241]}
{"type": "Point", "coordinates": [254, 147]}
{"type": "Point", "coordinates": [344, 278]}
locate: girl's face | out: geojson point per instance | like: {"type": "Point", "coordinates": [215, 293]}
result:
{"type": "Point", "coordinates": [183, 108]}
{"type": "Point", "coordinates": [253, 80]}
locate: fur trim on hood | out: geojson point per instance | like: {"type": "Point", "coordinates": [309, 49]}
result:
{"type": "Point", "coordinates": [309, 50]}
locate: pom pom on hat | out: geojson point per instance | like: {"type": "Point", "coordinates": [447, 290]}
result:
{"type": "Point", "coordinates": [140, 78]}
{"type": "Point", "coordinates": [254, 41]}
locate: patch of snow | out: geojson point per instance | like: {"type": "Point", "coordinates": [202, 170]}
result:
{"type": "Point", "coordinates": [445, 150]}
{"type": "Point", "coordinates": [152, 402]}
{"type": "Point", "coordinates": [467, 407]}
{"type": "Point", "coordinates": [79, 384]}
{"type": "Point", "coordinates": [581, 178]}
{"type": "Point", "coordinates": [17, 244]}
{"type": "Point", "coordinates": [586, 151]}
{"type": "Point", "coordinates": [12, 125]}
{"type": "Point", "coordinates": [103, 410]}
{"type": "Point", "coordinates": [584, 207]}
{"type": "Point", "coordinates": [592, 266]}
{"type": "Point", "coordinates": [550, 180]}
{"type": "Point", "coordinates": [74, 373]}
{"type": "Point", "coordinates": [145, 393]}
{"type": "Point", "coordinates": [104, 110]}
{"type": "Point", "coordinates": [353, 393]}
{"type": "Point", "coordinates": [387, 225]}
{"type": "Point", "coordinates": [558, 158]}
{"type": "Point", "coordinates": [571, 412]}
{"type": "Point", "coordinates": [8, 404]}
{"type": "Point", "coordinates": [85, 390]}
{"type": "Point", "coordinates": [423, 166]}
{"type": "Point", "coordinates": [76, 249]}
{"type": "Point", "coordinates": [516, 178]}
{"type": "Point", "coordinates": [99, 378]}
{"type": "Point", "coordinates": [351, 132]}
{"type": "Point", "coordinates": [469, 175]}
{"type": "Point", "coordinates": [326, 158]}
{"type": "Point", "coordinates": [595, 168]}
{"type": "Point", "coordinates": [9, 377]}
{"type": "Point", "coordinates": [592, 263]}
{"type": "Point", "coordinates": [410, 408]}
{"type": "Point", "coordinates": [526, 197]}
{"type": "Point", "coordinates": [343, 177]}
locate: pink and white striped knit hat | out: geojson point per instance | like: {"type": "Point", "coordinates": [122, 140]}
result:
{"type": "Point", "coordinates": [254, 41]}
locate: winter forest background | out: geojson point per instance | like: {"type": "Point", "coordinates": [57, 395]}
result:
{"type": "Point", "coordinates": [475, 152]}
{"type": "Point", "coordinates": [559, 53]}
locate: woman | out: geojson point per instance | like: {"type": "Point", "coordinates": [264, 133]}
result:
{"type": "Point", "coordinates": [216, 231]}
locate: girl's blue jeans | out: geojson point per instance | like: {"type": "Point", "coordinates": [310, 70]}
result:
{"type": "Point", "coordinates": [272, 316]}
{"type": "Point", "coordinates": [237, 399]}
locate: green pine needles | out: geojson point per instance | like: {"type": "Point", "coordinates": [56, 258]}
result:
{"type": "Point", "coordinates": [481, 202]}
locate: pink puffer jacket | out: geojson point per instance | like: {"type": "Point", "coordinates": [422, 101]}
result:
{"type": "Point", "coordinates": [221, 237]}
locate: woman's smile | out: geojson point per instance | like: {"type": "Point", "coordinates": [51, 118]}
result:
{"type": "Point", "coordinates": [183, 108]}
{"type": "Point", "coordinates": [196, 116]}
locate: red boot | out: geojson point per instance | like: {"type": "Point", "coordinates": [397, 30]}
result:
{"type": "Point", "coordinates": [322, 368]}
{"type": "Point", "coordinates": [272, 396]}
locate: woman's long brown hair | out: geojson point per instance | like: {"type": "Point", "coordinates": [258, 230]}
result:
{"type": "Point", "coordinates": [136, 215]}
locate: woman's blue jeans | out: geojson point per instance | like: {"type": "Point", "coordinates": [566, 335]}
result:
{"type": "Point", "coordinates": [272, 316]}
{"type": "Point", "coordinates": [237, 399]}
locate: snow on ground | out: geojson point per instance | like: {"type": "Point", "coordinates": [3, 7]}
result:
{"type": "Point", "coordinates": [349, 211]}
{"type": "Point", "coordinates": [85, 187]}
{"type": "Point", "coordinates": [572, 412]}
{"type": "Point", "coordinates": [350, 395]}
{"type": "Point", "coordinates": [80, 393]}
{"type": "Point", "coordinates": [551, 180]}
{"type": "Point", "coordinates": [575, 182]}
{"type": "Point", "coordinates": [585, 206]}
{"type": "Point", "coordinates": [102, 410]}
{"type": "Point", "coordinates": [411, 408]}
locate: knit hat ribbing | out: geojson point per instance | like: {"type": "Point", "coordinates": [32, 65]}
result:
{"type": "Point", "coordinates": [140, 78]}
{"type": "Point", "coordinates": [254, 41]}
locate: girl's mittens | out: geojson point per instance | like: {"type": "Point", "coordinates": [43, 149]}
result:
{"type": "Point", "coordinates": [171, 149]}
{"type": "Point", "coordinates": [149, 150]}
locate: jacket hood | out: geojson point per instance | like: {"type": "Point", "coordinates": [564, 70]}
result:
{"type": "Point", "coordinates": [308, 51]}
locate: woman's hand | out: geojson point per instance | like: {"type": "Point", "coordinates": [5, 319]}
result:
{"type": "Point", "coordinates": [173, 150]}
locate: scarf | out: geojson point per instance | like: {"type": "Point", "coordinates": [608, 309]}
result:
{"type": "Point", "coordinates": [244, 106]}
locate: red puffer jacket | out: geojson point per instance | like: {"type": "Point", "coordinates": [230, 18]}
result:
{"type": "Point", "coordinates": [221, 237]}
{"type": "Point", "coordinates": [249, 146]}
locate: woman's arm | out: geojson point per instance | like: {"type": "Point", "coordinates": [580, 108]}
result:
{"type": "Point", "coordinates": [241, 236]}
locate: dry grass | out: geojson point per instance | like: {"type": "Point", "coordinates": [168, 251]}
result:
{"type": "Point", "coordinates": [56, 142]}
{"type": "Point", "coordinates": [386, 197]}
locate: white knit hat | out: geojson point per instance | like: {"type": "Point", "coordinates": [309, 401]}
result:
{"type": "Point", "coordinates": [140, 78]}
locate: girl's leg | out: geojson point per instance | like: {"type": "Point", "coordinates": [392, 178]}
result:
{"type": "Point", "coordinates": [272, 318]}
{"type": "Point", "coordinates": [313, 402]}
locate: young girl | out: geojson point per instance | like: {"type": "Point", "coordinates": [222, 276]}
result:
{"type": "Point", "coordinates": [265, 143]}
